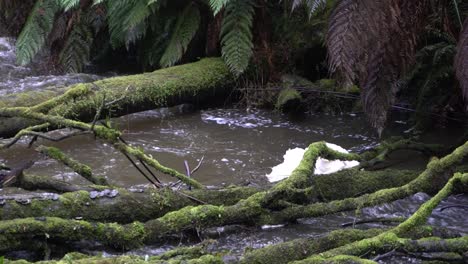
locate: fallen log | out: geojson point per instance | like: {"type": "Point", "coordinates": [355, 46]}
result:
{"type": "Point", "coordinates": [154, 203]}
{"type": "Point", "coordinates": [199, 83]}
{"type": "Point", "coordinates": [253, 210]}
{"type": "Point", "coordinates": [107, 204]}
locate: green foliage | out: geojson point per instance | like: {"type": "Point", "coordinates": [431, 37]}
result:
{"type": "Point", "coordinates": [236, 35]}
{"type": "Point", "coordinates": [218, 5]}
{"type": "Point", "coordinates": [312, 5]}
{"type": "Point", "coordinates": [68, 4]}
{"type": "Point", "coordinates": [126, 20]}
{"type": "Point", "coordinates": [186, 27]}
{"type": "Point", "coordinates": [77, 48]}
{"type": "Point", "coordinates": [34, 34]}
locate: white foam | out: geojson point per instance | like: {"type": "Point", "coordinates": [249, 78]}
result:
{"type": "Point", "coordinates": [293, 157]}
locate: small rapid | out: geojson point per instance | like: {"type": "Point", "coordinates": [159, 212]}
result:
{"type": "Point", "coordinates": [17, 79]}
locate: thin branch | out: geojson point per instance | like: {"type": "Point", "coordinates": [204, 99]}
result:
{"type": "Point", "coordinates": [98, 112]}
{"type": "Point", "coordinates": [142, 163]}
{"type": "Point", "coordinates": [198, 166]}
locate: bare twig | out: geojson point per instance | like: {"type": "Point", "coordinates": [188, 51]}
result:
{"type": "Point", "coordinates": [142, 163]}
{"type": "Point", "coordinates": [187, 169]}
{"type": "Point", "coordinates": [198, 166]}
{"type": "Point", "coordinates": [158, 183]}
{"type": "Point", "coordinates": [374, 220]}
{"type": "Point", "coordinates": [177, 183]}
{"type": "Point", "coordinates": [453, 206]}
{"type": "Point", "coordinates": [41, 135]}
{"type": "Point", "coordinates": [22, 133]}
{"type": "Point", "coordinates": [98, 112]}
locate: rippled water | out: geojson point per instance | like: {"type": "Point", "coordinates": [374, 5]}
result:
{"type": "Point", "coordinates": [16, 79]}
{"type": "Point", "coordinates": [237, 146]}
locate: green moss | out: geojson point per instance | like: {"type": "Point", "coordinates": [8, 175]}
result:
{"type": "Point", "coordinates": [288, 98]}
{"type": "Point", "coordinates": [327, 84]}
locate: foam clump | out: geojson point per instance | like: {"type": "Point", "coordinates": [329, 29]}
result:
{"type": "Point", "coordinates": [293, 157]}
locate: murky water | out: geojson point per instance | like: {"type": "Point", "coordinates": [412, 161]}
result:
{"type": "Point", "coordinates": [237, 147]}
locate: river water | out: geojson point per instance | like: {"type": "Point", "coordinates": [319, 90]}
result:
{"type": "Point", "coordinates": [238, 146]}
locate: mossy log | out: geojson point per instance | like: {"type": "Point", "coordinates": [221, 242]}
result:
{"type": "Point", "coordinates": [253, 210]}
{"type": "Point", "coordinates": [199, 83]}
{"type": "Point", "coordinates": [106, 204]}
{"type": "Point", "coordinates": [391, 239]}
{"type": "Point", "coordinates": [155, 203]}
{"type": "Point", "coordinates": [186, 255]}
{"type": "Point", "coordinates": [301, 248]}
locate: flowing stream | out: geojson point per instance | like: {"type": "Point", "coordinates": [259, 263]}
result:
{"type": "Point", "coordinates": [237, 146]}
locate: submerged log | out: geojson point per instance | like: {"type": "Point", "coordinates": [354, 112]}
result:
{"type": "Point", "coordinates": [199, 83]}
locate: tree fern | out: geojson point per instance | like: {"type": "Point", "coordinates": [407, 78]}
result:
{"type": "Point", "coordinates": [126, 20]}
{"type": "Point", "coordinates": [312, 5]}
{"type": "Point", "coordinates": [236, 35]}
{"type": "Point", "coordinates": [76, 51]}
{"type": "Point", "coordinates": [218, 5]}
{"type": "Point", "coordinates": [461, 61]}
{"type": "Point", "coordinates": [186, 27]}
{"type": "Point", "coordinates": [68, 4]}
{"type": "Point", "coordinates": [35, 32]}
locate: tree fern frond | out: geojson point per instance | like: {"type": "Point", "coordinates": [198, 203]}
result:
{"type": "Point", "coordinates": [343, 41]}
{"type": "Point", "coordinates": [461, 60]}
{"type": "Point", "coordinates": [186, 27]}
{"type": "Point", "coordinates": [34, 33]}
{"type": "Point", "coordinates": [375, 42]}
{"type": "Point", "coordinates": [218, 5]}
{"type": "Point", "coordinates": [126, 20]}
{"type": "Point", "coordinates": [312, 5]}
{"type": "Point", "coordinates": [75, 54]}
{"type": "Point", "coordinates": [68, 4]}
{"type": "Point", "coordinates": [236, 35]}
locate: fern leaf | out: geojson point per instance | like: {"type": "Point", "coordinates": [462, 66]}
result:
{"type": "Point", "coordinates": [236, 35]}
{"type": "Point", "coordinates": [68, 4]}
{"type": "Point", "coordinates": [218, 5]}
{"type": "Point", "coordinates": [34, 34]}
{"type": "Point", "coordinates": [186, 27]}
{"type": "Point", "coordinates": [343, 43]}
{"type": "Point", "coordinates": [76, 51]}
{"type": "Point", "coordinates": [374, 42]}
{"type": "Point", "coordinates": [461, 60]}
{"type": "Point", "coordinates": [126, 20]}
{"type": "Point", "coordinates": [312, 5]}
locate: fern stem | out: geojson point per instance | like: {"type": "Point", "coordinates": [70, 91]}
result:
{"type": "Point", "coordinates": [455, 4]}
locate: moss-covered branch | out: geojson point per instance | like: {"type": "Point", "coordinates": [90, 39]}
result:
{"type": "Point", "coordinates": [102, 132]}
{"type": "Point", "coordinates": [81, 169]}
{"type": "Point", "coordinates": [188, 255]}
